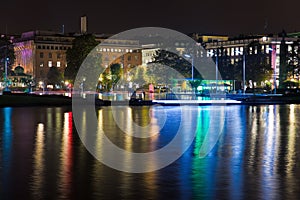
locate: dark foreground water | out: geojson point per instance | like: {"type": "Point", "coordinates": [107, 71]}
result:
{"type": "Point", "coordinates": [257, 155]}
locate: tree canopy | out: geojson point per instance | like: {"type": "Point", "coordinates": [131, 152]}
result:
{"type": "Point", "coordinates": [81, 47]}
{"type": "Point", "coordinates": [54, 76]}
{"type": "Point", "coordinates": [6, 52]}
{"type": "Point", "coordinates": [183, 67]}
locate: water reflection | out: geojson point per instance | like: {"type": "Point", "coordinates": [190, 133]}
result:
{"type": "Point", "coordinates": [256, 157]}
{"type": "Point", "coordinates": [6, 151]}
{"type": "Point", "coordinates": [66, 157]}
{"type": "Point", "coordinates": [39, 163]}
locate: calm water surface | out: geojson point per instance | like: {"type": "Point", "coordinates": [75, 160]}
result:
{"type": "Point", "coordinates": [257, 155]}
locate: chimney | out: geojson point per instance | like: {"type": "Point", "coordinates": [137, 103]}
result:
{"type": "Point", "coordinates": [83, 27]}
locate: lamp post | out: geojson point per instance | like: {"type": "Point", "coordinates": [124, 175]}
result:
{"type": "Point", "coordinates": [274, 70]}
{"type": "Point", "coordinates": [189, 56]}
{"type": "Point", "coordinates": [244, 68]}
{"type": "Point", "coordinates": [216, 69]}
{"type": "Point", "coordinates": [6, 59]}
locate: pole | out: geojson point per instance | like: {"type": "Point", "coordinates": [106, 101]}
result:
{"type": "Point", "coordinates": [274, 80]}
{"type": "Point", "coordinates": [192, 68]}
{"type": "Point", "coordinates": [217, 78]}
{"type": "Point", "coordinates": [244, 72]}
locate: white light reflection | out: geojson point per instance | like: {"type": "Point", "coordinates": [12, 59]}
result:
{"type": "Point", "coordinates": [38, 160]}
{"type": "Point", "coordinates": [291, 146]}
{"type": "Point", "coordinates": [271, 151]}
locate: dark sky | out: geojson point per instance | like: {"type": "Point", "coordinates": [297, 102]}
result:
{"type": "Point", "coordinates": [231, 17]}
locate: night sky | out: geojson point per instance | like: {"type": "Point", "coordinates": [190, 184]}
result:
{"type": "Point", "coordinates": [231, 17]}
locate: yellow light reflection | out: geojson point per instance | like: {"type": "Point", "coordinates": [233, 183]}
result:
{"type": "Point", "coordinates": [66, 158]}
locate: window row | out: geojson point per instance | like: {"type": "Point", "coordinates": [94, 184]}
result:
{"type": "Point", "coordinates": [50, 55]}
{"type": "Point", "coordinates": [50, 63]}
{"type": "Point", "coordinates": [50, 47]}
{"type": "Point", "coordinates": [115, 50]}
{"type": "Point", "coordinates": [237, 51]}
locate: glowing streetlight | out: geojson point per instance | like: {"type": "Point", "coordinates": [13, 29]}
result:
{"type": "Point", "coordinates": [189, 56]}
{"type": "Point", "coordinates": [274, 71]}
{"type": "Point", "coordinates": [217, 78]}
{"type": "Point", "coordinates": [244, 68]}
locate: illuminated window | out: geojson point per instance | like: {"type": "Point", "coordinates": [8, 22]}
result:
{"type": "Point", "coordinates": [278, 49]}
{"type": "Point", "coordinates": [255, 50]}
{"type": "Point", "coordinates": [232, 52]}
{"type": "Point", "coordinates": [49, 63]}
{"type": "Point", "coordinates": [267, 49]}
{"type": "Point", "coordinates": [41, 64]}
{"type": "Point", "coordinates": [58, 64]}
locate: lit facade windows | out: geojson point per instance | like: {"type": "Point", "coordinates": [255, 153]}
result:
{"type": "Point", "coordinates": [58, 64]}
{"type": "Point", "coordinates": [49, 63]}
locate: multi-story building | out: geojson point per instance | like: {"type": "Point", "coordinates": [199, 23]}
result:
{"type": "Point", "coordinates": [38, 51]}
{"type": "Point", "coordinates": [127, 53]}
{"type": "Point", "coordinates": [265, 50]}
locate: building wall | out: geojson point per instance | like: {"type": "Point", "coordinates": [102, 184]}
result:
{"type": "Point", "coordinates": [25, 55]}
{"type": "Point", "coordinates": [269, 46]}
{"type": "Point", "coordinates": [37, 51]}
{"type": "Point", "coordinates": [49, 55]}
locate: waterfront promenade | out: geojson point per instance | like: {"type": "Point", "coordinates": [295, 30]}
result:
{"type": "Point", "coordinates": [22, 99]}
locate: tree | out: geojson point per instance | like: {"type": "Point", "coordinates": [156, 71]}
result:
{"type": "Point", "coordinates": [54, 76]}
{"type": "Point", "coordinates": [139, 76]}
{"type": "Point", "coordinates": [81, 47]}
{"type": "Point", "coordinates": [116, 73]}
{"type": "Point", "coordinates": [178, 63]}
{"type": "Point", "coordinates": [6, 52]}
{"type": "Point", "coordinates": [258, 69]}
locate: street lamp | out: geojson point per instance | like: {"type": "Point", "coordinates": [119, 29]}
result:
{"type": "Point", "coordinates": [189, 56]}
{"type": "Point", "coordinates": [6, 59]}
{"type": "Point", "coordinates": [5, 78]}
{"type": "Point", "coordinates": [217, 78]}
{"type": "Point", "coordinates": [274, 70]}
{"type": "Point", "coordinates": [244, 68]}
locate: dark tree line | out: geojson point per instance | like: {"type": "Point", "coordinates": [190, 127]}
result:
{"type": "Point", "coordinates": [6, 53]}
